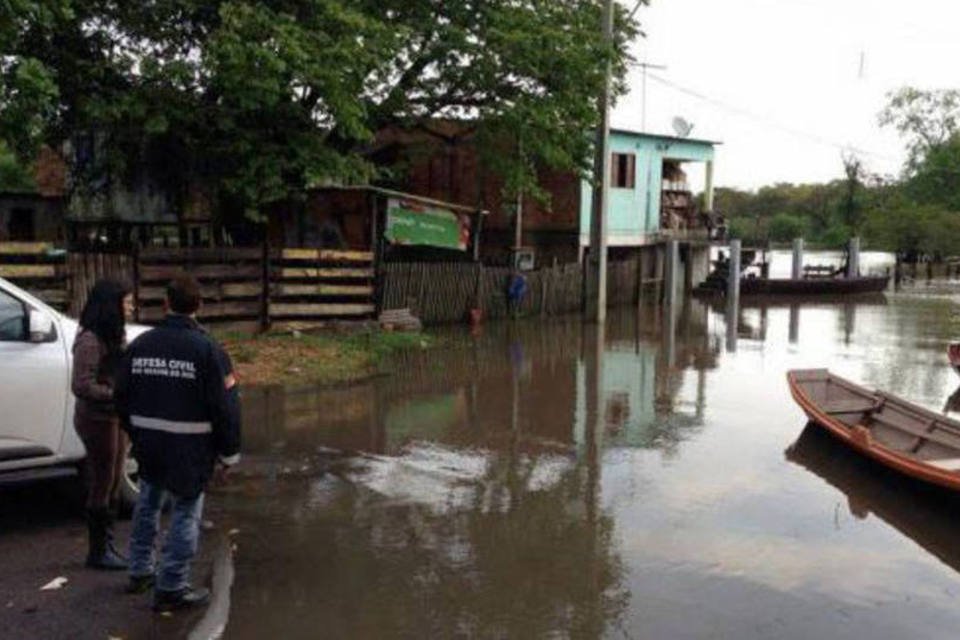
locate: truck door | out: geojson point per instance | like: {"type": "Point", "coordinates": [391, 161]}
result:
{"type": "Point", "coordinates": [33, 385]}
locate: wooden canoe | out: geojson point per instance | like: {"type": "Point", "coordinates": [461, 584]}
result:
{"type": "Point", "coordinates": [903, 436]}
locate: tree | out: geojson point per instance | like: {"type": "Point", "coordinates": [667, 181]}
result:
{"type": "Point", "coordinates": [852, 209]}
{"type": "Point", "coordinates": [785, 227]}
{"type": "Point", "coordinates": [936, 179]}
{"type": "Point", "coordinates": [13, 175]}
{"type": "Point", "coordinates": [261, 99]}
{"type": "Point", "coordinates": [911, 230]}
{"type": "Point", "coordinates": [926, 119]}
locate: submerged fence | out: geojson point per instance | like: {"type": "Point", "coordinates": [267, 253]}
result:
{"type": "Point", "coordinates": [447, 292]}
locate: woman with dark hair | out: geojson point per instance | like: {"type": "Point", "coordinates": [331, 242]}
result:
{"type": "Point", "coordinates": [97, 350]}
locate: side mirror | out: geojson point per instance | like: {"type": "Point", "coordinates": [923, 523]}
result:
{"type": "Point", "coordinates": [41, 327]}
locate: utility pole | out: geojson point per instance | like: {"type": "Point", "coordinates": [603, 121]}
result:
{"type": "Point", "coordinates": [643, 101]}
{"type": "Point", "coordinates": [596, 271]}
{"type": "Point", "coordinates": [518, 220]}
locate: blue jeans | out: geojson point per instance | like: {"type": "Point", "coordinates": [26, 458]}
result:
{"type": "Point", "coordinates": [179, 545]}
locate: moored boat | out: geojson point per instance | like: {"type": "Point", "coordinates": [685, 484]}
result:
{"type": "Point", "coordinates": [903, 436]}
{"type": "Point", "coordinates": [813, 286]}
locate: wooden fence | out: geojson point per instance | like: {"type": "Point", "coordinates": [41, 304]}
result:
{"type": "Point", "coordinates": [84, 269]}
{"type": "Point", "coordinates": [446, 292]}
{"type": "Point", "coordinates": [231, 283]}
{"type": "Point", "coordinates": [308, 286]}
{"type": "Point", "coordinates": [249, 289]}
{"type": "Point", "coordinates": [38, 268]}
{"type": "Point", "coordinates": [243, 289]}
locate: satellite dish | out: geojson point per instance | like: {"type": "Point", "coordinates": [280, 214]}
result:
{"type": "Point", "coordinates": [681, 127]}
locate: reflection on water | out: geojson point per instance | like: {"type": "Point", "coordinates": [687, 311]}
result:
{"type": "Point", "coordinates": [549, 479]}
{"type": "Point", "coordinates": [923, 513]}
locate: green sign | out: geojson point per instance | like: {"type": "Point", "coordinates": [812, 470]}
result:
{"type": "Point", "coordinates": [411, 223]}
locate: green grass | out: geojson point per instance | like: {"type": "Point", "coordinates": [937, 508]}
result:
{"type": "Point", "coordinates": [316, 358]}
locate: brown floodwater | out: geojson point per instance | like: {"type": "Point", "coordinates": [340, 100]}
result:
{"type": "Point", "coordinates": [544, 479]}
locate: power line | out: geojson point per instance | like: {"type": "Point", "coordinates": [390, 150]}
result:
{"type": "Point", "coordinates": [643, 111]}
{"type": "Point", "coordinates": [768, 121]}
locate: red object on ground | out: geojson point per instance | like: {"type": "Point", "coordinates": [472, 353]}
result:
{"type": "Point", "coordinates": [476, 317]}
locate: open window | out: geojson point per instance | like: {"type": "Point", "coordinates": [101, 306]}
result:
{"type": "Point", "coordinates": [623, 170]}
{"type": "Point", "coordinates": [678, 207]}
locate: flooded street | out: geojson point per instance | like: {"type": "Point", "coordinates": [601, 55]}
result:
{"type": "Point", "coordinates": [651, 480]}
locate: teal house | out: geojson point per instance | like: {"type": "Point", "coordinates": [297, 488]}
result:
{"type": "Point", "coordinates": [650, 198]}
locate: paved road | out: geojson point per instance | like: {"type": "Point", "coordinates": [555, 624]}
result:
{"type": "Point", "coordinates": [43, 536]}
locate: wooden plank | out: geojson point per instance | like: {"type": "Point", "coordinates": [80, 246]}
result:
{"type": "Point", "coordinates": [218, 309]}
{"type": "Point", "coordinates": [330, 274]}
{"type": "Point", "coordinates": [322, 290]}
{"type": "Point", "coordinates": [150, 314]}
{"type": "Point", "coordinates": [28, 270]}
{"type": "Point", "coordinates": [51, 296]}
{"type": "Point", "coordinates": [200, 254]}
{"type": "Point", "coordinates": [210, 310]}
{"type": "Point", "coordinates": [242, 289]}
{"type": "Point", "coordinates": [326, 255]}
{"type": "Point", "coordinates": [207, 291]}
{"type": "Point", "coordinates": [249, 327]}
{"type": "Point", "coordinates": [24, 248]}
{"type": "Point", "coordinates": [154, 273]}
{"type": "Point", "coordinates": [850, 406]}
{"type": "Point", "coordinates": [282, 309]}
{"type": "Point", "coordinates": [298, 325]}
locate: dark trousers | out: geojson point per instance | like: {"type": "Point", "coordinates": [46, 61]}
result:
{"type": "Point", "coordinates": [106, 446]}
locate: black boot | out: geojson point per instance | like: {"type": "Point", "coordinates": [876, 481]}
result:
{"type": "Point", "coordinates": [111, 547]}
{"type": "Point", "coordinates": [101, 555]}
{"type": "Point", "coordinates": [183, 599]}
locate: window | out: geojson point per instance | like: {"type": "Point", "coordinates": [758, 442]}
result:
{"type": "Point", "coordinates": [623, 170]}
{"type": "Point", "coordinates": [13, 319]}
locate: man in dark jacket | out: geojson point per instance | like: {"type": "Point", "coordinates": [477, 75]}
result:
{"type": "Point", "coordinates": [173, 398]}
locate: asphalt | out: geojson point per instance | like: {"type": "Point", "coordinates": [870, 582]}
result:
{"type": "Point", "coordinates": [43, 537]}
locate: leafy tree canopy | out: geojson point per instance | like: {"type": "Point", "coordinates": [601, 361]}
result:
{"type": "Point", "coordinates": [926, 119]}
{"type": "Point", "coordinates": [260, 99]}
{"type": "Point", "coordinates": [13, 175]}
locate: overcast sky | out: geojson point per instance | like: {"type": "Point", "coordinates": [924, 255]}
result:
{"type": "Point", "coordinates": [780, 82]}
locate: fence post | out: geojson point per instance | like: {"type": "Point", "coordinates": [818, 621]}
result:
{"type": "Point", "coordinates": [264, 284]}
{"type": "Point", "coordinates": [135, 257]}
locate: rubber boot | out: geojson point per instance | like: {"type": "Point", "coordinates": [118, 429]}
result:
{"type": "Point", "coordinates": [101, 556]}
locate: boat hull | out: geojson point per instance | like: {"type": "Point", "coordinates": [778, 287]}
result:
{"type": "Point", "coordinates": [862, 443]}
{"type": "Point", "coordinates": [813, 286]}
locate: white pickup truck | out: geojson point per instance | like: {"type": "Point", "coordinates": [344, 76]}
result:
{"type": "Point", "coordinates": [37, 439]}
